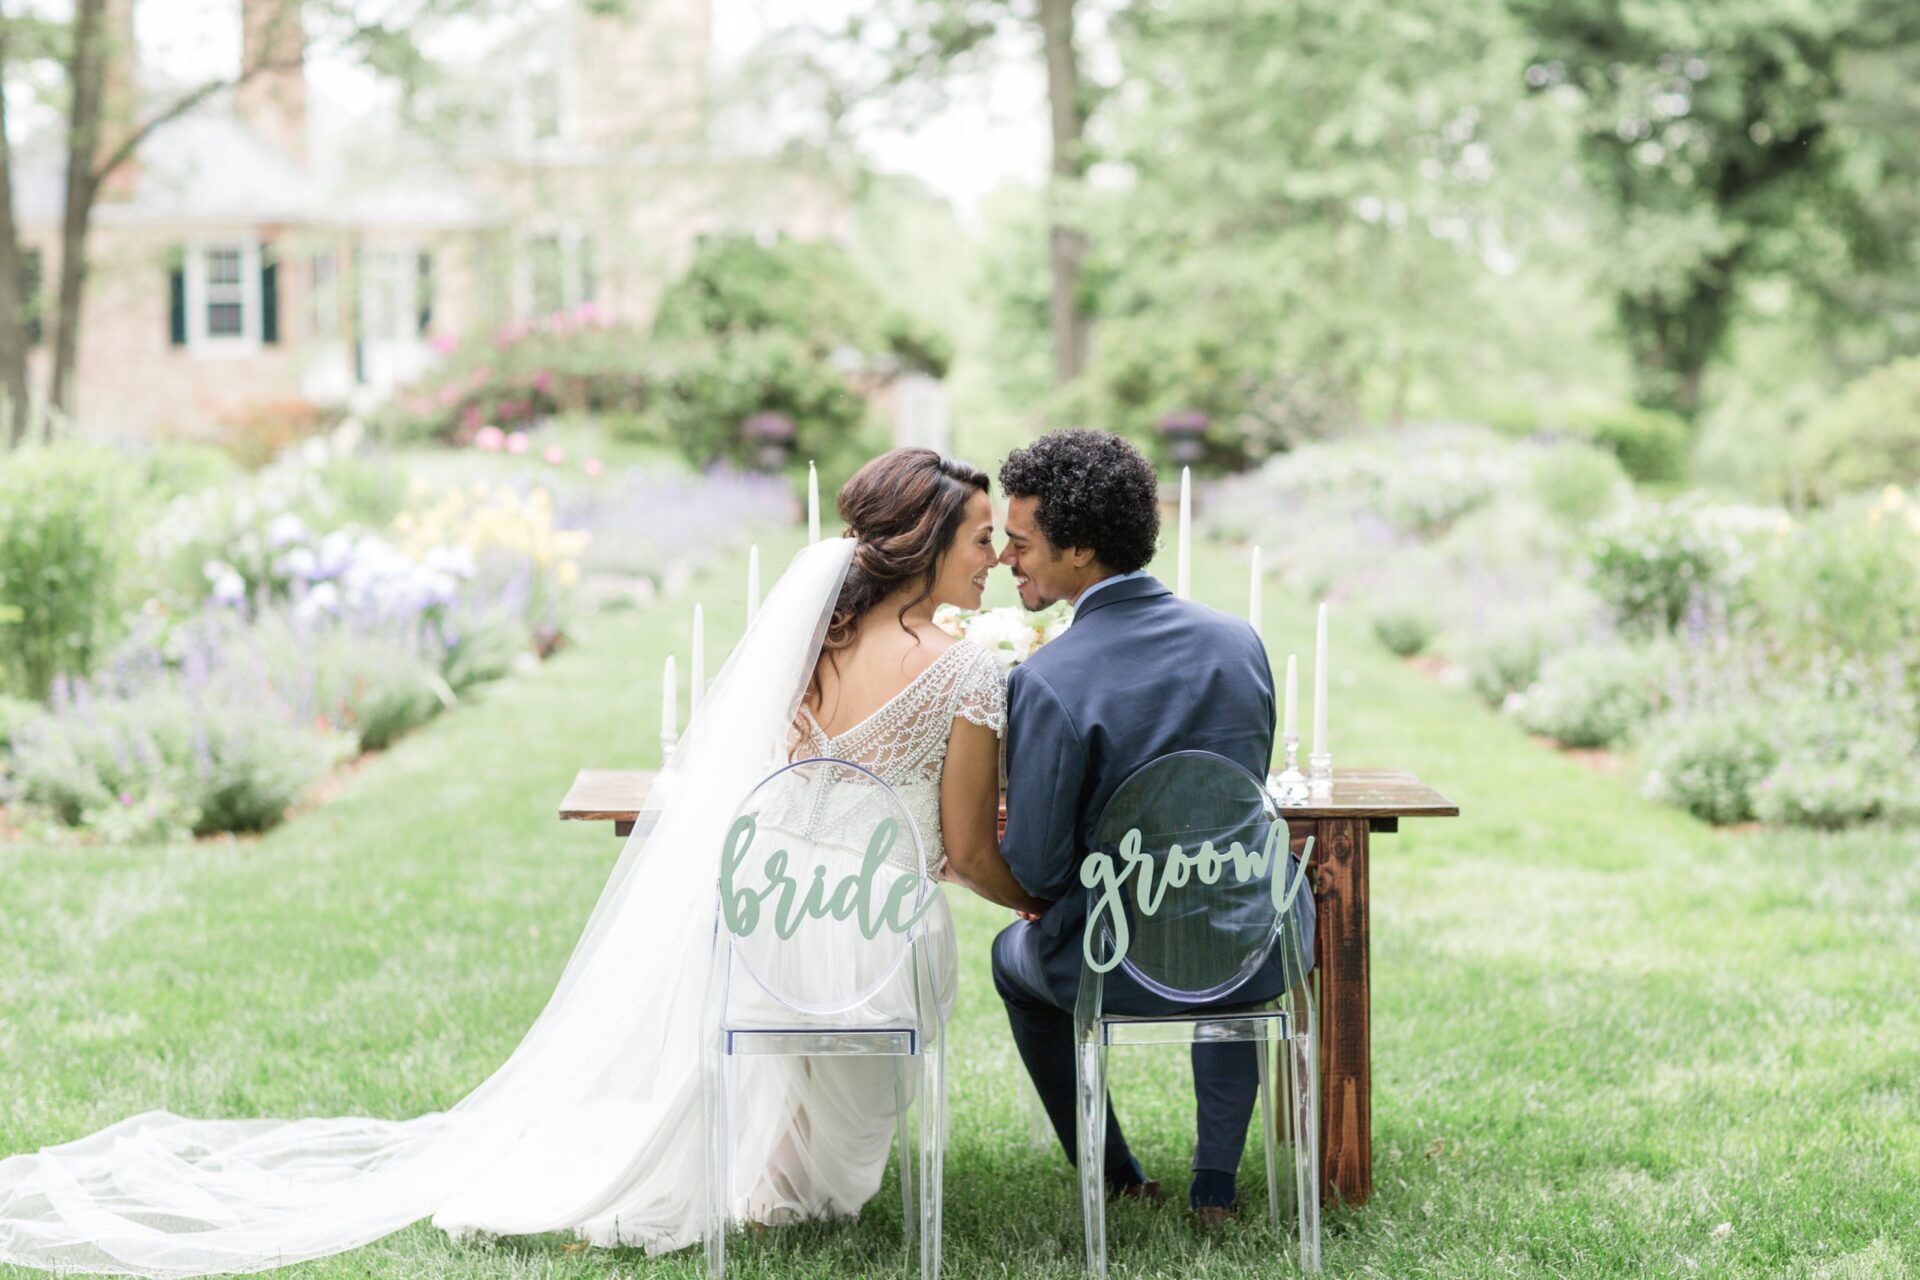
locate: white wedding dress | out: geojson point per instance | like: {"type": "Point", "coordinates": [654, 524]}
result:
{"type": "Point", "coordinates": [593, 1124]}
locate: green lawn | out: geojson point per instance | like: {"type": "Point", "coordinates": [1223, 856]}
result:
{"type": "Point", "coordinates": [1600, 1029]}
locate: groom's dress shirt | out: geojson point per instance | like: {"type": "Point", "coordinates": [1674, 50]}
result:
{"type": "Point", "coordinates": [1107, 581]}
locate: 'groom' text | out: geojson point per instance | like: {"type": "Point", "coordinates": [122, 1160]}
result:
{"type": "Point", "coordinates": [854, 893]}
{"type": "Point", "coordinates": [1100, 874]}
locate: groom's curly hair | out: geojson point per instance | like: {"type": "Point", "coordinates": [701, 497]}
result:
{"type": "Point", "coordinates": [1095, 490]}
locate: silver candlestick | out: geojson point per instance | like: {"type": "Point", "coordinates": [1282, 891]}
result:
{"type": "Point", "coordinates": [1320, 774]}
{"type": "Point", "coordinates": [1289, 786]}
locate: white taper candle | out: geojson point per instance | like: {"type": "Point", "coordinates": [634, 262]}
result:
{"type": "Point", "coordinates": [753, 582]}
{"type": "Point", "coordinates": [1254, 603]}
{"type": "Point", "coordinates": [1320, 682]}
{"type": "Point", "coordinates": [1183, 571]}
{"type": "Point", "coordinates": [698, 674]}
{"type": "Point", "coordinates": [1291, 726]}
{"type": "Point", "coordinates": [669, 710]}
{"type": "Point", "coordinates": [813, 505]}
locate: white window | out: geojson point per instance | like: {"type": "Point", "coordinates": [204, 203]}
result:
{"type": "Point", "coordinates": [326, 296]}
{"type": "Point", "coordinates": [223, 297]}
{"type": "Point", "coordinates": [543, 102]}
{"type": "Point", "coordinates": [557, 272]}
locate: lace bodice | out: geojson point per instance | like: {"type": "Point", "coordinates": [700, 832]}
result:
{"type": "Point", "coordinates": [905, 740]}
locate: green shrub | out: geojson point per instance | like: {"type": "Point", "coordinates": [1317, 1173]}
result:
{"type": "Point", "coordinates": [1868, 436]}
{"type": "Point", "coordinates": [66, 521]}
{"type": "Point", "coordinates": [1579, 483]}
{"type": "Point", "coordinates": [375, 688]}
{"type": "Point", "coordinates": [174, 467]}
{"type": "Point", "coordinates": [574, 362]}
{"type": "Point", "coordinates": [232, 763]}
{"type": "Point", "coordinates": [1650, 563]}
{"type": "Point", "coordinates": [1841, 763]}
{"type": "Point", "coordinates": [1504, 661]}
{"type": "Point", "coordinates": [1594, 696]}
{"type": "Point", "coordinates": [1848, 580]}
{"type": "Point", "coordinates": [1650, 444]}
{"type": "Point", "coordinates": [1405, 629]}
{"type": "Point", "coordinates": [706, 389]}
{"type": "Point", "coordinates": [810, 290]}
{"type": "Point", "coordinates": [15, 714]}
{"type": "Point", "coordinates": [1711, 762]}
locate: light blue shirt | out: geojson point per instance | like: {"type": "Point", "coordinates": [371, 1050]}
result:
{"type": "Point", "coordinates": [1081, 599]}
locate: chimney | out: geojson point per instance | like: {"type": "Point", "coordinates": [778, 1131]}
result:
{"type": "Point", "coordinates": [119, 97]}
{"type": "Point", "coordinates": [273, 96]}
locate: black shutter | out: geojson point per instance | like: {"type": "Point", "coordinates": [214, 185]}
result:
{"type": "Point", "coordinates": [30, 282]}
{"type": "Point", "coordinates": [269, 296]}
{"type": "Point", "coordinates": [425, 294]}
{"type": "Point", "coordinates": [177, 310]}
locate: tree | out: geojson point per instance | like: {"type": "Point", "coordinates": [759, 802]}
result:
{"type": "Point", "coordinates": [104, 128]}
{"type": "Point", "coordinates": [1708, 132]}
{"type": "Point", "coordinates": [903, 48]}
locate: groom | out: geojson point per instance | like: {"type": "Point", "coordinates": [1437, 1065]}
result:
{"type": "Point", "coordinates": [1138, 675]}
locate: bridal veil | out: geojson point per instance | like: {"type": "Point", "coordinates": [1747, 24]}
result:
{"type": "Point", "coordinates": [591, 1125]}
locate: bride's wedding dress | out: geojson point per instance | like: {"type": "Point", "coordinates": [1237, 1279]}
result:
{"type": "Point", "coordinates": [593, 1124]}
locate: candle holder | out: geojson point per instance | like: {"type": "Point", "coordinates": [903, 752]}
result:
{"type": "Point", "coordinates": [668, 741]}
{"type": "Point", "coordinates": [1320, 774]}
{"type": "Point", "coordinates": [1289, 786]}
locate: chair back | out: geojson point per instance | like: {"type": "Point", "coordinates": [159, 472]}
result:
{"type": "Point", "coordinates": [1190, 878]}
{"type": "Point", "coordinates": [823, 887]}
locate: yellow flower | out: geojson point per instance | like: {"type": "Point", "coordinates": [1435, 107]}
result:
{"type": "Point", "coordinates": [1785, 525]}
{"type": "Point", "coordinates": [403, 523]}
{"type": "Point", "coordinates": [1874, 514]}
{"type": "Point", "coordinates": [1892, 498]}
{"type": "Point", "coordinates": [567, 573]}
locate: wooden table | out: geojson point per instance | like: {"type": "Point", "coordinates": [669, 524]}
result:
{"type": "Point", "coordinates": [1364, 801]}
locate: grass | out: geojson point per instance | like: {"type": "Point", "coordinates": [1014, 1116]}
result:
{"type": "Point", "coordinates": [1601, 1030]}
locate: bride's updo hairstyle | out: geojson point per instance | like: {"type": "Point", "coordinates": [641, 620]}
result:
{"type": "Point", "coordinates": [902, 509]}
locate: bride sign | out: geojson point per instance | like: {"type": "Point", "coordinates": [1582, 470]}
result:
{"type": "Point", "coordinates": [854, 894]}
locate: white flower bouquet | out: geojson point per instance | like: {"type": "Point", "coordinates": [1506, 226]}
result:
{"type": "Point", "coordinates": [1010, 633]}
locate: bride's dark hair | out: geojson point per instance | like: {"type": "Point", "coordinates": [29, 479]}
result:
{"type": "Point", "coordinates": [902, 509]}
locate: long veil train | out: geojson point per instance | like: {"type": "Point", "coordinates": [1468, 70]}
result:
{"type": "Point", "coordinates": [591, 1125]}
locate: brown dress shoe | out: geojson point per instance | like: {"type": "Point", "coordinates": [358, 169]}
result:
{"type": "Point", "coordinates": [1148, 1191]}
{"type": "Point", "coordinates": [1211, 1217]}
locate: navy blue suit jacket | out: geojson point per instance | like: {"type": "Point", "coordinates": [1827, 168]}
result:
{"type": "Point", "coordinates": [1138, 675]}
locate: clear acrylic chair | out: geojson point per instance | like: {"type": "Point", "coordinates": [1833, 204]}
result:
{"type": "Point", "coordinates": [825, 816]}
{"type": "Point", "coordinates": [1202, 943]}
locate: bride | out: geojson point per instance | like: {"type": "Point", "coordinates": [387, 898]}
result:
{"type": "Point", "coordinates": [593, 1124]}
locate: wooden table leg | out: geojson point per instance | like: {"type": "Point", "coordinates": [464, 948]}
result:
{"type": "Point", "coordinates": [1346, 1118]}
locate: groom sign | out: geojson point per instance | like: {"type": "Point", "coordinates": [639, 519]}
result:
{"type": "Point", "coordinates": [1139, 675]}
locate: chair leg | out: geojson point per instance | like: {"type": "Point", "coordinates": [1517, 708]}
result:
{"type": "Point", "coordinates": [1091, 1108]}
{"type": "Point", "coordinates": [903, 1131]}
{"type": "Point", "coordinates": [933, 1142]}
{"type": "Point", "coordinates": [715, 1081]}
{"type": "Point", "coordinates": [1270, 1054]}
{"type": "Point", "coordinates": [1306, 1127]}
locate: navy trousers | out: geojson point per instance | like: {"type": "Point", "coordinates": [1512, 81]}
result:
{"type": "Point", "coordinates": [1226, 1075]}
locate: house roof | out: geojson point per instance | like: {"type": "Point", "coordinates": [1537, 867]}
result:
{"type": "Point", "coordinates": [209, 167]}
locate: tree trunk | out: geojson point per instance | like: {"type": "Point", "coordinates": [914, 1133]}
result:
{"type": "Point", "coordinates": [87, 74]}
{"type": "Point", "coordinates": [1066, 245]}
{"type": "Point", "coordinates": [13, 329]}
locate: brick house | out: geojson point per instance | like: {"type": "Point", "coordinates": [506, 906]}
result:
{"type": "Point", "coordinates": [263, 253]}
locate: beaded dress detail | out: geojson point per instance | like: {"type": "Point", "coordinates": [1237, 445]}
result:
{"type": "Point", "coordinates": [904, 742]}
